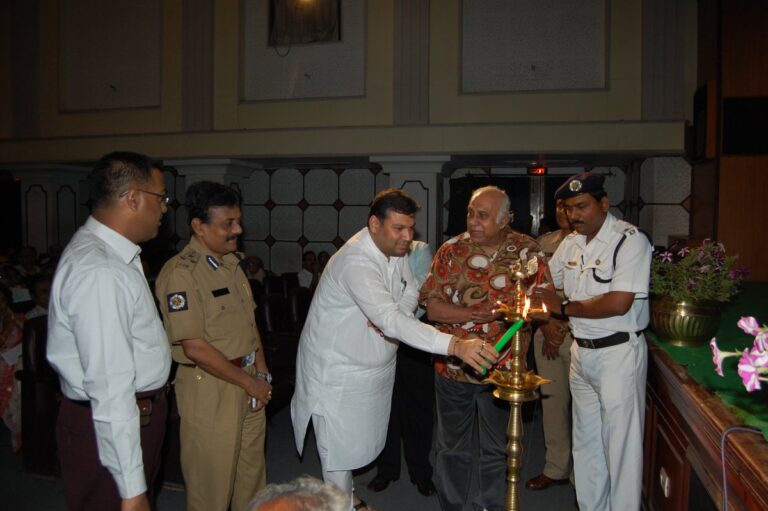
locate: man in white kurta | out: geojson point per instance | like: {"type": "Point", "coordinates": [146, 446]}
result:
{"type": "Point", "coordinates": [345, 367]}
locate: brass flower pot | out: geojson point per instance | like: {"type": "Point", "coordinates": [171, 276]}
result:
{"type": "Point", "coordinates": [691, 323]}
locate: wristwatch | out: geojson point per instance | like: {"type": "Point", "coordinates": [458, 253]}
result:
{"type": "Point", "coordinates": [563, 305]}
{"type": "Point", "coordinates": [264, 376]}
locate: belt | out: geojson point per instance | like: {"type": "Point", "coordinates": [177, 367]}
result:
{"type": "Point", "coordinates": [604, 342]}
{"type": "Point", "coordinates": [146, 396]}
{"type": "Point", "coordinates": [242, 362]}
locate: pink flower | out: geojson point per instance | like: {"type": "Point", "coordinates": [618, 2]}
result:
{"type": "Point", "coordinates": [684, 251]}
{"type": "Point", "coordinates": [760, 358]}
{"type": "Point", "coordinates": [666, 256]}
{"type": "Point", "coordinates": [761, 341]}
{"type": "Point", "coordinates": [717, 356]}
{"type": "Point", "coordinates": [748, 372]}
{"type": "Point", "coordinates": [749, 325]}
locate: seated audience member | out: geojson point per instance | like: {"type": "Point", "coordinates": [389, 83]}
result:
{"type": "Point", "coordinates": [52, 257]}
{"type": "Point", "coordinates": [323, 258]}
{"type": "Point", "coordinates": [40, 289]}
{"type": "Point", "coordinates": [304, 493]}
{"type": "Point", "coordinates": [310, 270]}
{"type": "Point", "coordinates": [10, 354]}
{"type": "Point", "coordinates": [27, 266]}
{"type": "Point", "coordinates": [10, 277]}
{"type": "Point", "coordinates": [254, 268]}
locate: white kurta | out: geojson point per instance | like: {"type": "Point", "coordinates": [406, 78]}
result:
{"type": "Point", "coordinates": [345, 370]}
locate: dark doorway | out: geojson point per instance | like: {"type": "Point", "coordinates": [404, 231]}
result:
{"type": "Point", "coordinates": [10, 210]}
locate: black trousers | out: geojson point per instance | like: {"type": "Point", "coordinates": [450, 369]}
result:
{"type": "Point", "coordinates": [88, 485]}
{"type": "Point", "coordinates": [412, 417]}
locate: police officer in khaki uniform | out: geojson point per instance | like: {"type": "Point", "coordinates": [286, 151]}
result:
{"type": "Point", "coordinates": [553, 359]}
{"type": "Point", "coordinates": [222, 383]}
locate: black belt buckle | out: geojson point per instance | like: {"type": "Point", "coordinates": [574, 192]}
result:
{"type": "Point", "coordinates": [604, 342]}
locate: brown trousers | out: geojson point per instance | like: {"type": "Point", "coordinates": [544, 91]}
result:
{"type": "Point", "coordinates": [88, 485]}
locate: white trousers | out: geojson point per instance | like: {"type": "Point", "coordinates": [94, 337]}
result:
{"type": "Point", "coordinates": [608, 390]}
{"type": "Point", "coordinates": [341, 478]}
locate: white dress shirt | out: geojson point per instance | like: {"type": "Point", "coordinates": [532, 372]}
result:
{"type": "Point", "coordinates": [305, 277]}
{"type": "Point", "coordinates": [577, 265]}
{"type": "Point", "coordinates": [345, 369]}
{"type": "Point", "coordinates": [106, 341]}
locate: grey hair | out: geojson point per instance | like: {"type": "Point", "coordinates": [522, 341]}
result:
{"type": "Point", "coordinates": [505, 203]}
{"type": "Point", "coordinates": [306, 493]}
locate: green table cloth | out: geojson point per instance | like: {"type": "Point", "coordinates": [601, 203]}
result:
{"type": "Point", "coordinates": [750, 407]}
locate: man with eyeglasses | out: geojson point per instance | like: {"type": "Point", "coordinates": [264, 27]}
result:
{"type": "Point", "coordinates": [222, 384]}
{"type": "Point", "coordinates": [106, 341]}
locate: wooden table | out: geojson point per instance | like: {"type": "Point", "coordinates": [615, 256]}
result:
{"type": "Point", "coordinates": [684, 425]}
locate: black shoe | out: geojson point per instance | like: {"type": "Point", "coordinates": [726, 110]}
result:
{"type": "Point", "coordinates": [426, 487]}
{"type": "Point", "coordinates": [379, 483]}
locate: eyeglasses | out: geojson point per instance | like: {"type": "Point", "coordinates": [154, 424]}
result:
{"type": "Point", "coordinates": [164, 197]}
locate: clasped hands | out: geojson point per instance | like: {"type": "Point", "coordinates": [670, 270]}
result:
{"type": "Point", "coordinates": [259, 393]}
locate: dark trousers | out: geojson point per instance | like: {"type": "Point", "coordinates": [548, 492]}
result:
{"type": "Point", "coordinates": [412, 417]}
{"type": "Point", "coordinates": [88, 485]}
{"type": "Point", "coordinates": [458, 404]}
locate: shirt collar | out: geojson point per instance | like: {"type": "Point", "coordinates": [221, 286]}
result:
{"type": "Point", "coordinates": [507, 237]}
{"type": "Point", "coordinates": [125, 248]}
{"type": "Point", "coordinates": [228, 259]}
{"type": "Point", "coordinates": [604, 234]}
{"type": "Point", "coordinates": [378, 255]}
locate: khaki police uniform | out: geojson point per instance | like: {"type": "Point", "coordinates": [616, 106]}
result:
{"type": "Point", "coordinates": [556, 396]}
{"type": "Point", "coordinates": [222, 439]}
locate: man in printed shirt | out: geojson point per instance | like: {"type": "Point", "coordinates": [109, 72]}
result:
{"type": "Point", "coordinates": [107, 343]}
{"type": "Point", "coordinates": [222, 383]}
{"type": "Point", "coordinates": [469, 274]}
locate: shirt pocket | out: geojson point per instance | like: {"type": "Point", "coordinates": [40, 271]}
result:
{"type": "Point", "coordinates": [599, 277]}
{"type": "Point", "coordinates": [225, 312]}
{"type": "Point", "coordinates": [570, 280]}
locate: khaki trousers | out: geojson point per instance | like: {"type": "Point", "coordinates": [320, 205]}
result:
{"type": "Point", "coordinates": [222, 442]}
{"type": "Point", "coordinates": [556, 407]}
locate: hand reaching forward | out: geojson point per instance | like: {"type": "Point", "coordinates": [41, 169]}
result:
{"type": "Point", "coordinates": [474, 352]}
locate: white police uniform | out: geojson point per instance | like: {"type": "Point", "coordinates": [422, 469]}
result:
{"type": "Point", "coordinates": [607, 373]}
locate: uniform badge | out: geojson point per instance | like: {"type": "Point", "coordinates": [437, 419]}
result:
{"type": "Point", "coordinates": [575, 185]}
{"type": "Point", "coordinates": [177, 302]}
{"type": "Point", "coordinates": [212, 262]}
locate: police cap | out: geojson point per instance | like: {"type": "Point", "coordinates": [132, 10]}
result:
{"type": "Point", "coordinates": [586, 182]}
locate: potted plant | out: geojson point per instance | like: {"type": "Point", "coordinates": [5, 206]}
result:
{"type": "Point", "coordinates": [688, 288]}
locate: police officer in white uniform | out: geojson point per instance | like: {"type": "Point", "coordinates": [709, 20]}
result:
{"type": "Point", "coordinates": [603, 268]}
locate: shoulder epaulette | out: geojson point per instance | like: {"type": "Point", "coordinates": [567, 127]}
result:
{"type": "Point", "coordinates": [629, 230]}
{"type": "Point", "coordinates": [187, 260]}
